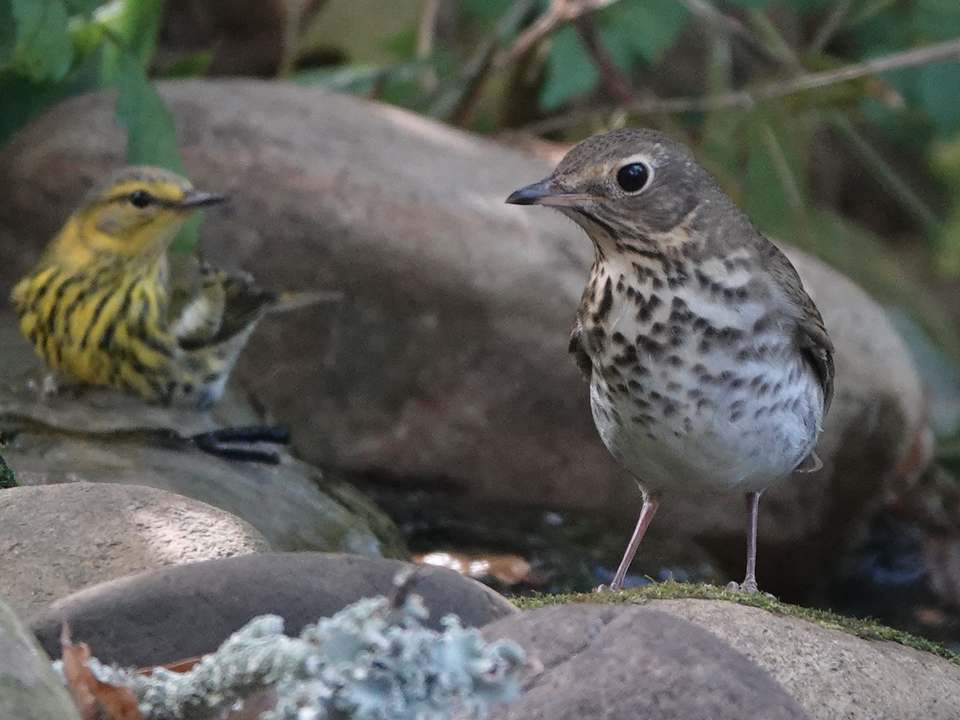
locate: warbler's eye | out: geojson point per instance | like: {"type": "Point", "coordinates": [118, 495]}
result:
{"type": "Point", "coordinates": [633, 177]}
{"type": "Point", "coordinates": [140, 198]}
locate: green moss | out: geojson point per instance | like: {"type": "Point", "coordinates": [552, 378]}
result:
{"type": "Point", "coordinates": [670, 590]}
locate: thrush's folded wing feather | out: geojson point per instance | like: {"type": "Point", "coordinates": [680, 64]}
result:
{"type": "Point", "coordinates": [579, 353]}
{"type": "Point", "coordinates": [811, 334]}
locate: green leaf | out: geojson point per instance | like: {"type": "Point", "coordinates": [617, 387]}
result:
{"type": "Point", "coordinates": [133, 25]}
{"type": "Point", "coordinates": [805, 7]}
{"type": "Point", "coordinates": [136, 23]}
{"type": "Point", "coordinates": [22, 100]}
{"type": "Point", "coordinates": [641, 28]}
{"type": "Point", "coordinates": [939, 91]}
{"type": "Point", "coordinates": [775, 178]}
{"type": "Point", "coordinates": [487, 12]}
{"type": "Point", "coordinates": [935, 20]}
{"type": "Point", "coordinates": [752, 4]}
{"type": "Point", "coordinates": [151, 134]}
{"type": "Point", "coordinates": [43, 49]}
{"type": "Point", "coordinates": [570, 71]}
{"type": "Point", "coordinates": [193, 65]}
{"type": "Point", "coordinates": [8, 38]}
{"type": "Point", "coordinates": [151, 131]}
{"type": "Point", "coordinates": [401, 45]}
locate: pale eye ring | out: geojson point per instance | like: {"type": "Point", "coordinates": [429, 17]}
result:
{"type": "Point", "coordinates": [633, 177]}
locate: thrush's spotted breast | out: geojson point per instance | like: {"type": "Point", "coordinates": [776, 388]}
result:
{"type": "Point", "coordinates": [710, 368]}
{"type": "Point", "coordinates": [108, 305]}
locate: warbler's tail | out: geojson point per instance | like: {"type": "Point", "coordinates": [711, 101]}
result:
{"type": "Point", "coordinates": [293, 300]}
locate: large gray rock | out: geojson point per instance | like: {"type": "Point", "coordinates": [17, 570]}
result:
{"type": "Point", "coordinates": [633, 663]}
{"type": "Point", "coordinates": [165, 615]}
{"type": "Point", "coordinates": [831, 673]}
{"type": "Point", "coordinates": [448, 358]}
{"type": "Point", "coordinates": [29, 690]}
{"type": "Point", "coordinates": [57, 539]}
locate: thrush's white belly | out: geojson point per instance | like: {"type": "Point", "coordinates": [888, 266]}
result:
{"type": "Point", "coordinates": [756, 420]}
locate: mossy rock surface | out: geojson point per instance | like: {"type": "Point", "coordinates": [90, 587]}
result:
{"type": "Point", "coordinates": [862, 628]}
{"type": "Point", "coordinates": [833, 666]}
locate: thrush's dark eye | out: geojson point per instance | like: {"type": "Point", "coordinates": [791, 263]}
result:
{"type": "Point", "coordinates": [633, 177]}
{"type": "Point", "coordinates": [140, 198]}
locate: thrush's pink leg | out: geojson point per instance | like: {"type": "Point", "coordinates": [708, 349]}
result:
{"type": "Point", "coordinates": [753, 507]}
{"type": "Point", "coordinates": [650, 504]}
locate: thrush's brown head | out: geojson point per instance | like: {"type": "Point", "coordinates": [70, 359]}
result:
{"type": "Point", "coordinates": [632, 186]}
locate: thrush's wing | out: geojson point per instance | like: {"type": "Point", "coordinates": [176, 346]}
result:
{"type": "Point", "coordinates": [811, 334]}
{"type": "Point", "coordinates": [579, 352]}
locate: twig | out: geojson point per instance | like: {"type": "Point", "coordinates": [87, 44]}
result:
{"type": "Point", "coordinates": [616, 81]}
{"type": "Point", "coordinates": [829, 27]}
{"type": "Point", "coordinates": [927, 55]}
{"type": "Point", "coordinates": [427, 29]}
{"type": "Point", "coordinates": [710, 15]}
{"type": "Point", "coordinates": [901, 190]}
{"type": "Point", "coordinates": [559, 12]}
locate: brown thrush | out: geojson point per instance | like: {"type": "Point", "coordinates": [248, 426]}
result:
{"type": "Point", "coordinates": [710, 369]}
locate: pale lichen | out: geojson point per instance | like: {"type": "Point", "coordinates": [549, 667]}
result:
{"type": "Point", "coordinates": [374, 659]}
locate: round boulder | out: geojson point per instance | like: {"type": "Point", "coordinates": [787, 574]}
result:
{"type": "Point", "coordinates": [161, 616]}
{"type": "Point", "coordinates": [633, 663]}
{"type": "Point", "coordinates": [57, 539]}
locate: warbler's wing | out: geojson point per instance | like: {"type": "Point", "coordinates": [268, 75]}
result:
{"type": "Point", "coordinates": [197, 301]}
{"type": "Point", "coordinates": [208, 307]}
{"type": "Point", "coordinates": [245, 303]}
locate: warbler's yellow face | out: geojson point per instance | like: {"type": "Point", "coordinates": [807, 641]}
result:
{"type": "Point", "coordinates": [137, 211]}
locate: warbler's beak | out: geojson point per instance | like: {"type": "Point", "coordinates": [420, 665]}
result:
{"type": "Point", "coordinates": [197, 199]}
{"type": "Point", "coordinates": [547, 192]}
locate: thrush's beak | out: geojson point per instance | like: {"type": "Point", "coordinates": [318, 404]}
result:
{"type": "Point", "coordinates": [197, 199]}
{"type": "Point", "coordinates": [547, 192]}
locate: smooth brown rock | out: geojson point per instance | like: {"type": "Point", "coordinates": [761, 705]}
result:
{"type": "Point", "coordinates": [632, 663]}
{"type": "Point", "coordinates": [57, 539]}
{"type": "Point", "coordinates": [832, 674]}
{"type": "Point", "coordinates": [447, 360]}
{"type": "Point", "coordinates": [165, 615]}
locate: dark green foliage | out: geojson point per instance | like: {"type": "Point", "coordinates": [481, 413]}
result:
{"type": "Point", "coordinates": [53, 49]}
{"type": "Point", "coordinates": [7, 478]}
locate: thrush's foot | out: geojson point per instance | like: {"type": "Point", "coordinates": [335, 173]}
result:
{"type": "Point", "coordinates": [747, 586]}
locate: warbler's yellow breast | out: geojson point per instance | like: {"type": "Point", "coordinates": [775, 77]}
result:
{"type": "Point", "coordinates": [97, 306]}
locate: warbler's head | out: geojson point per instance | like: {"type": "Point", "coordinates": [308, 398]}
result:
{"type": "Point", "coordinates": [135, 211]}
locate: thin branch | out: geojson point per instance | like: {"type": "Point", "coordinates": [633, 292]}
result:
{"type": "Point", "coordinates": [889, 177]}
{"type": "Point", "coordinates": [838, 14]}
{"type": "Point", "coordinates": [559, 12]}
{"type": "Point", "coordinates": [927, 55]}
{"type": "Point", "coordinates": [427, 29]}
{"type": "Point", "coordinates": [708, 14]}
{"type": "Point", "coordinates": [616, 80]}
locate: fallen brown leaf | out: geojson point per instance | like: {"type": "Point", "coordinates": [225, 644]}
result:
{"type": "Point", "coordinates": [95, 700]}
